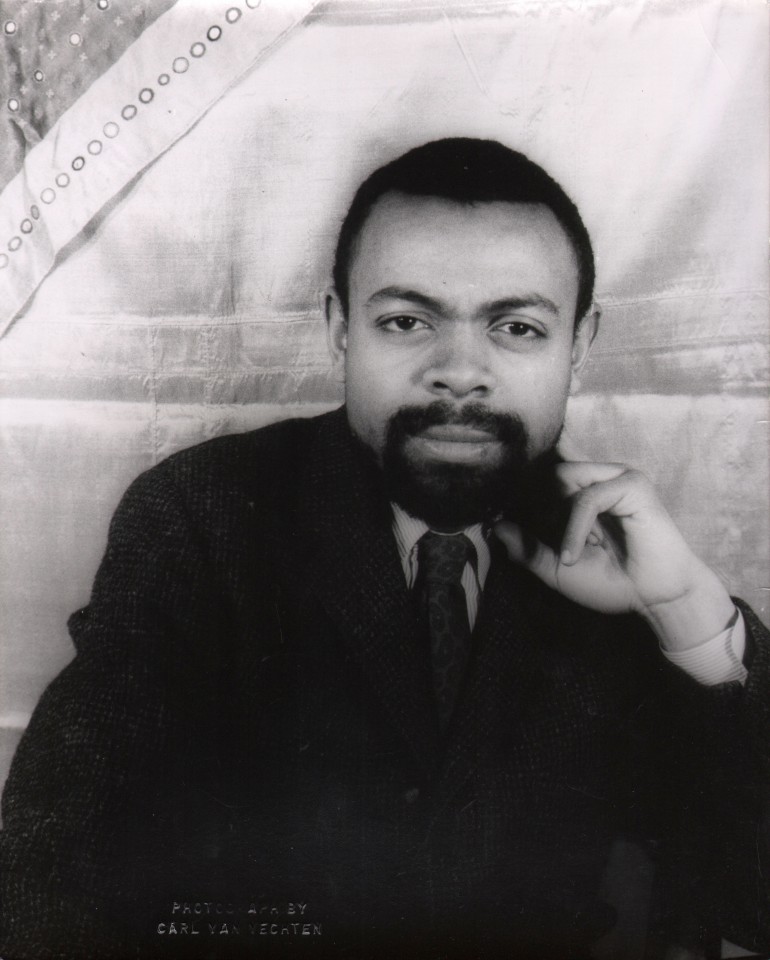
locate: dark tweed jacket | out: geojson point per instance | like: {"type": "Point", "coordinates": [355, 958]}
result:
{"type": "Point", "coordinates": [248, 721]}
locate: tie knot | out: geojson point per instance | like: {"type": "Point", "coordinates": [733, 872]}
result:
{"type": "Point", "coordinates": [442, 557]}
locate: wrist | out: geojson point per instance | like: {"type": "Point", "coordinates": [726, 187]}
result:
{"type": "Point", "coordinates": [703, 610]}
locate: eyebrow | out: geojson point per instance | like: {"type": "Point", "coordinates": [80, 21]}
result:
{"type": "Point", "coordinates": [412, 296]}
{"type": "Point", "coordinates": [438, 306]}
{"type": "Point", "coordinates": [517, 303]}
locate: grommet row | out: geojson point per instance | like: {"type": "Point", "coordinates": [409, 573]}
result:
{"type": "Point", "coordinates": [146, 95]}
{"type": "Point", "coordinates": [181, 64]}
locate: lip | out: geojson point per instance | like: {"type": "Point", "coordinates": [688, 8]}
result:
{"type": "Point", "coordinates": [454, 444]}
{"type": "Point", "coordinates": [457, 433]}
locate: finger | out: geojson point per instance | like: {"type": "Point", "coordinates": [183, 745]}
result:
{"type": "Point", "coordinates": [529, 552]}
{"type": "Point", "coordinates": [569, 449]}
{"type": "Point", "coordinates": [577, 475]}
{"type": "Point", "coordinates": [595, 536]}
{"type": "Point", "coordinates": [613, 497]}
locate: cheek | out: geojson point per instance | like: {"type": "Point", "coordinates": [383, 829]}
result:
{"type": "Point", "coordinates": [537, 382]}
{"type": "Point", "coordinates": [375, 375]}
{"type": "Point", "coordinates": [550, 413]}
{"type": "Point", "coordinates": [371, 395]}
{"type": "Point", "coordinates": [367, 378]}
{"type": "Point", "coordinates": [538, 393]}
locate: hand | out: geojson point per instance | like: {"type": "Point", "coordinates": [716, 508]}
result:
{"type": "Point", "coordinates": [622, 552]}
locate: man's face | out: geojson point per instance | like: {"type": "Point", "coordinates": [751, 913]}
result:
{"type": "Point", "coordinates": [459, 348]}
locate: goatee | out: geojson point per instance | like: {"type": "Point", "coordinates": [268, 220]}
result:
{"type": "Point", "coordinates": [452, 495]}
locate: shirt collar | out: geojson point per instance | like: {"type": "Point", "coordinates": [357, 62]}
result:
{"type": "Point", "coordinates": [408, 530]}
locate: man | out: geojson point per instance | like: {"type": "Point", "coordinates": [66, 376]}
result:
{"type": "Point", "coordinates": [389, 681]}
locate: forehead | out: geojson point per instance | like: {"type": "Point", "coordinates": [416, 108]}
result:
{"type": "Point", "coordinates": [485, 249]}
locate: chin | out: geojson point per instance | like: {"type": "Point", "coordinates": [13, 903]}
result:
{"type": "Point", "coordinates": [448, 497]}
{"type": "Point", "coordinates": [448, 494]}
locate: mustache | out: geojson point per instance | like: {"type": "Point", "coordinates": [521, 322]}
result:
{"type": "Point", "coordinates": [505, 427]}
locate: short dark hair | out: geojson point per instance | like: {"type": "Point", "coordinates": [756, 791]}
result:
{"type": "Point", "coordinates": [467, 171]}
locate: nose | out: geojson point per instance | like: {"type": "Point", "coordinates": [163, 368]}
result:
{"type": "Point", "coordinates": [459, 365]}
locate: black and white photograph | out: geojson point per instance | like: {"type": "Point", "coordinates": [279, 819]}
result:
{"type": "Point", "coordinates": [384, 480]}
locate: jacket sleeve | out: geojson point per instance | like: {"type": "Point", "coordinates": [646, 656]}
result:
{"type": "Point", "coordinates": [88, 809]}
{"type": "Point", "coordinates": [714, 856]}
{"type": "Point", "coordinates": [743, 849]}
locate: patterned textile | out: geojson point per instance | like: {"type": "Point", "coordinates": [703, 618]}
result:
{"type": "Point", "coordinates": [53, 52]}
{"type": "Point", "coordinates": [75, 160]}
{"type": "Point", "coordinates": [442, 560]}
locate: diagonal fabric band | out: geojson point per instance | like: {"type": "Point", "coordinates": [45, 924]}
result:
{"type": "Point", "coordinates": [162, 85]}
{"type": "Point", "coordinates": [441, 561]}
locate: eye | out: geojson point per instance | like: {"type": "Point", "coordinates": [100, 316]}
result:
{"type": "Point", "coordinates": [519, 329]}
{"type": "Point", "coordinates": [403, 323]}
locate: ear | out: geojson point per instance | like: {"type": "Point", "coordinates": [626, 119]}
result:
{"type": "Point", "coordinates": [336, 332]}
{"type": "Point", "coordinates": [585, 334]}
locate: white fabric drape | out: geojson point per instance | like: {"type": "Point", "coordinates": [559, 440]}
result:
{"type": "Point", "coordinates": [184, 296]}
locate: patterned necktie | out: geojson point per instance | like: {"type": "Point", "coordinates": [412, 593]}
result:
{"type": "Point", "coordinates": [441, 561]}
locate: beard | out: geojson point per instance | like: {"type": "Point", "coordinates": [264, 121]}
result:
{"type": "Point", "coordinates": [452, 495]}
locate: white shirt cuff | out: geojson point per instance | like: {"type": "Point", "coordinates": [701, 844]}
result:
{"type": "Point", "coordinates": [718, 660]}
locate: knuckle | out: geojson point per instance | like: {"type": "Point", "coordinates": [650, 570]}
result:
{"type": "Point", "coordinates": [564, 473]}
{"type": "Point", "coordinates": [585, 499]}
{"type": "Point", "coordinates": [637, 477]}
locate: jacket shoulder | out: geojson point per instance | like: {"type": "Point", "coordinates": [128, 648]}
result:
{"type": "Point", "coordinates": [211, 485]}
{"type": "Point", "coordinates": [255, 461]}
{"type": "Point", "coordinates": [284, 440]}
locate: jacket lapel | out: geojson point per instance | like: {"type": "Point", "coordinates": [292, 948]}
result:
{"type": "Point", "coordinates": [351, 564]}
{"type": "Point", "coordinates": [511, 663]}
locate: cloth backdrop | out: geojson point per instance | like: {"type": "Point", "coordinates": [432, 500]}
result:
{"type": "Point", "coordinates": [173, 176]}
